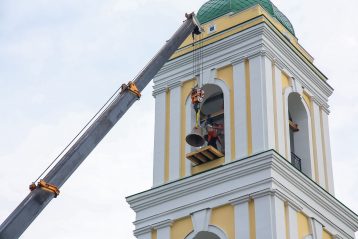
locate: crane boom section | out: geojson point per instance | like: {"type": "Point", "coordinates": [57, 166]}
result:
{"type": "Point", "coordinates": [37, 200]}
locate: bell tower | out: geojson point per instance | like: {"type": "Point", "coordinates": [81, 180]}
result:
{"type": "Point", "coordinates": [242, 147]}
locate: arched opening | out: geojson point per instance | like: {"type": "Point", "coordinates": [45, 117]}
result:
{"type": "Point", "coordinates": [211, 134]}
{"type": "Point", "coordinates": [206, 235]}
{"type": "Point", "coordinates": [299, 134]}
{"type": "Point", "coordinates": [212, 117]}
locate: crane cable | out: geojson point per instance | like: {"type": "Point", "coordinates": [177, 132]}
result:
{"type": "Point", "coordinates": [102, 109]}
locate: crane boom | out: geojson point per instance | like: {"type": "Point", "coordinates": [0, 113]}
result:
{"type": "Point", "coordinates": [27, 211]}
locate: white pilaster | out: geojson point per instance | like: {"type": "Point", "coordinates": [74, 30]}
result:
{"type": "Point", "coordinates": [163, 229]}
{"type": "Point", "coordinates": [159, 139]}
{"type": "Point", "coordinates": [175, 132]}
{"type": "Point", "coordinates": [327, 143]}
{"type": "Point", "coordinates": [269, 215]}
{"type": "Point", "coordinates": [241, 144]}
{"type": "Point", "coordinates": [263, 134]}
{"type": "Point", "coordinates": [189, 124]}
{"type": "Point", "coordinates": [280, 113]}
{"type": "Point", "coordinates": [316, 228]}
{"type": "Point", "coordinates": [242, 217]}
{"type": "Point", "coordinates": [318, 143]}
{"type": "Point", "coordinates": [143, 233]}
{"type": "Point", "coordinates": [292, 211]}
{"type": "Point", "coordinates": [200, 220]}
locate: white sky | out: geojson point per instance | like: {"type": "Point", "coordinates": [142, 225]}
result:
{"type": "Point", "coordinates": [61, 60]}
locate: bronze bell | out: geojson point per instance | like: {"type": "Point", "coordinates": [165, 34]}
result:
{"type": "Point", "coordinates": [195, 138]}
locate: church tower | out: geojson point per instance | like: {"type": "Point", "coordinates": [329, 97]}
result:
{"type": "Point", "coordinates": [266, 171]}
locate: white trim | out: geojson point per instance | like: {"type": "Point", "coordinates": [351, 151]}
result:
{"type": "Point", "coordinates": [263, 215]}
{"type": "Point", "coordinates": [286, 93]}
{"type": "Point", "coordinates": [327, 143]}
{"type": "Point", "coordinates": [242, 218]}
{"type": "Point", "coordinates": [292, 221]}
{"type": "Point", "coordinates": [190, 119]}
{"type": "Point", "coordinates": [310, 138]}
{"type": "Point", "coordinates": [220, 186]}
{"type": "Point", "coordinates": [175, 133]}
{"type": "Point", "coordinates": [269, 102]}
{"type": "Point", "coordinates": [159, 139]}
{"type": "Point", "coordinates": [241, 144]}
{"type": "Point", "coordinates": [213, 229]}
{"type": "Point", "coordinates": [227, 118]}
{"type": "Point", "coordinates": [316, 229]}
{"type": "Point", "coordinates": [258, 104]}
{"type": "Point", "coordinates": [201, 219]}
{"type": "Point", "coordinates": [280, 118]}
{"type": "Point", "coordinates": [269, 214]}
{"type": "Point", "coordinates": [163, 232]}
{"type": "Point", "coordinates": [319, 151]}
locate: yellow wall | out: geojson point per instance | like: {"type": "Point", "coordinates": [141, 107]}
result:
{"type": "Point", "coordinates": [154, 234]}
{"type": "Point", "coordinates": [226, 74]}
{"type": "Point", "coordinates": [181, 228]}
{"type": "Point", "coordinates": [326, 235]}
{"type": "Point", "coordinates": [248, 106]}
{"type": "Point", "coordinates": [303, 225]}
{"type": "Point", "coordinates": [285, 82]}
{"type": "Point", "coordinates": [224, 218]}
{"type": "Point", "coordinates": [186, 89]}
{"type": "Point", "coordinates": [252, 219]}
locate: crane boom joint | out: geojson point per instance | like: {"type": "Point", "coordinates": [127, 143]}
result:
{"type": "Point", "coordinates": [45, 186]}
{"type": "Point", "coordinates": [132, 88]}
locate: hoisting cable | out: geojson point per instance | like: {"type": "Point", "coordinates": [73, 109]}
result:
{"type": "Point", "coordinates": [52, 188]}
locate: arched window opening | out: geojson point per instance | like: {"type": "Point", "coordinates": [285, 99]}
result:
{"type": "Point", "coordinates": [299, 134]}
{"type": "Point", "coordinates": [212, 117]}
{"type": "Point", "coordinates": [206, 235]}
{"type": "Point", "coordinates": [211, 128]}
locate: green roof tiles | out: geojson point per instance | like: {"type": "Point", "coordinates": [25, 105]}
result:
{"type": "Point", "coordinates": [217, 8]}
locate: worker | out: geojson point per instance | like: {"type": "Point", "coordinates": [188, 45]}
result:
{"type": "Point", "coordinates": [213, 133]}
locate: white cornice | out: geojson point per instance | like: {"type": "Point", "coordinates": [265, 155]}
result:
{"type": "Point", "coordinates": [259, 39]}
{"type": "Point", "coordinates": [240, 180]}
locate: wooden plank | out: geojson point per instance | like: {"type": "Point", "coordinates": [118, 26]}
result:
{"type": "Point", "coordinates": [201, 157]}
{"type": "Point", "coordinates": [209, 155]}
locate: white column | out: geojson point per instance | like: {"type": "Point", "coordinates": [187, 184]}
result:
{"type": "Point", "coordinates": [280, 114]}
{"type": "Point", "coordinates": [242, 217]}
{"type": "Point", "coordinates": [163, 229]}
{"type": "Point", "coordinates": [263, 134]}
{"type": "Point", "coordinates": [316, 228]}
{"type": "Point", "coordinates": [319, 150]}
{"type": "Point", "coordinates": [327, 143]}
{"type": "Point", "coordinates": [190, 119]}
{"type": "Point", "coordinates": [143, 233]}
{"type": "Point", "coordinates": [201, 220]}
{"type": "Point", "coordinates": [159, 139]}
{"type": "Point", "coordinates": [241, 144]}
{"type": "Point", "coordinates": [292, 211]}
{"type": "Point", "coordinates": [269, 215]}
{"type": "Point", "coordinates": [175, 132]}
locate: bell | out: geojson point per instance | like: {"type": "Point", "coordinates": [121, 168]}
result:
{"type": "Point", "coordinates": [195, 138]}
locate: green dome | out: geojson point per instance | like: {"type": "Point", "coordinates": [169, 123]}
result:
{"type": "Point", "coordinates": [217, 8]}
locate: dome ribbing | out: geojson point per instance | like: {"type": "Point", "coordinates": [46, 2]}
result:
{"type": "Point", "coordinates": [217, 8]}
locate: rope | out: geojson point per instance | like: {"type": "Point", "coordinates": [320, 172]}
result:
{"type": "Point", "coordinates": [105, 106]}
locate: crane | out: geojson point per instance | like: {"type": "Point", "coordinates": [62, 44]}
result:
{"type": "Point", "coordinates": [47, 188]}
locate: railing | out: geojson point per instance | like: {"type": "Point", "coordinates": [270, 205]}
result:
{"type": "Point", "coordinates": [296, 161]}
